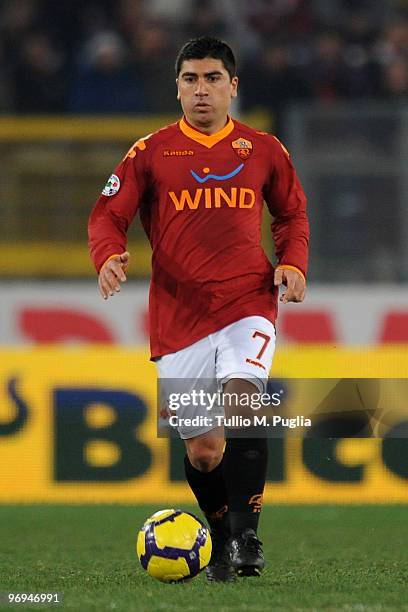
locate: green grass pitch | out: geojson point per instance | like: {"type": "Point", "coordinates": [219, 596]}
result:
{"type": "Point", "coordinates": [352, 558]}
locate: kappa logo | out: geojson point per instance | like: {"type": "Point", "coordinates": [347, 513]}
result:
{"type": "Point", "coordinates": [177, 153]}
{"type": "Point", "coordinates": [242, 147]}
{"type": "Point", "coordinates": [217, 177]}
{"type": "Point", "coordinates": [112, 186]}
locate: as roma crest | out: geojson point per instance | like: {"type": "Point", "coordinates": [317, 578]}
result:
{"type": "Point", "coordinates": [242, 147]}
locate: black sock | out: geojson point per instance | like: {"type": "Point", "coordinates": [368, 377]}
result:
{"type": "Point", "coordinates": [211, 494]}
{"type": "Point", "coordinates": [244, 466]}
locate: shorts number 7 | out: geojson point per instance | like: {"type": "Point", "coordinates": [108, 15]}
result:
{"type": "Point", "coordinates": [266, 340]}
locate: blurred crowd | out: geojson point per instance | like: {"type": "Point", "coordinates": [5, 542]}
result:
{"type": "Point", "coordinates": [107, 56]}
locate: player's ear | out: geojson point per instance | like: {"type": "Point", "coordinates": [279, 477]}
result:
{"type": "Point", "coordinates": [234, 87]}
{"type": "Point", "coordinates": [178, 92]}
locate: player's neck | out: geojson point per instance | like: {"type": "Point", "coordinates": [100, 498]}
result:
{"type": "Point", "coordinates": [209, 130]}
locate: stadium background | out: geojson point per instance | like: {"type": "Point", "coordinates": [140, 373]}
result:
{"type": "Point", "coordinates": [79, 83]}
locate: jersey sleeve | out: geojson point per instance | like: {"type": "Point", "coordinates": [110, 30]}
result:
{"type": "Point", "coordinates": [286, 201]}
{"type": "Point", "coordinates": [115, 208]}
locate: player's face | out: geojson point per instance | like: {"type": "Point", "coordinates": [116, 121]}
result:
{"type": "Point", "coordinates": [205, 91]}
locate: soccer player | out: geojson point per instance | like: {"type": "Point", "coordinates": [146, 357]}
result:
{"type": "Point", "coordinates": [199, 186]}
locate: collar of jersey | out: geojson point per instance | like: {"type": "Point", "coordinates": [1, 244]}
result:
{"type": "Point", "coordinates": [205, 139]}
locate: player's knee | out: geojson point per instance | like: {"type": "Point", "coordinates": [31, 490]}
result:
{"type": "Point", "coordinates": [205, 461]}
{"type": "Point", "coordinates": [203, 456]}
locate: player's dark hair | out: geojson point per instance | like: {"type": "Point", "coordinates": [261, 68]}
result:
{"type": "Point", "coordinates": [207, 46]}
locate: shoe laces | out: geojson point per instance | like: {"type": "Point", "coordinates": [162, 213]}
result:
{"type": "Point", "coordinates": [250, 541]}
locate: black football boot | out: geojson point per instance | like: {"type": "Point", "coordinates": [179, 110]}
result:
{"type": "Point", "coordinates": [246, 554]}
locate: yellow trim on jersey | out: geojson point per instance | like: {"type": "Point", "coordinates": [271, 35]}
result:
{"type": "Point", "coordinates": [294, 268]}
{"type": "Point", "coordinates": [282, 145]}
{"type": "Point", "coordinates": [204, 139]}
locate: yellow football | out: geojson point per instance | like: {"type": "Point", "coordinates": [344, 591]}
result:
{"type": "Point", "coordinates": [173, 545]}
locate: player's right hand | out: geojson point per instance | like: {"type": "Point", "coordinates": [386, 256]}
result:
{"type": "Point", "coordinates": [112, 274]}
{"type": "Point", "coordinates": [294, 283]}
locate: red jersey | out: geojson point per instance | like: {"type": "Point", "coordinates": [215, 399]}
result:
{"type": "Point", "coordinates": [200, 200]}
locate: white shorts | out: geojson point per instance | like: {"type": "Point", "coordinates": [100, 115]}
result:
{"type": "Point", "coordinates": [243, 350]}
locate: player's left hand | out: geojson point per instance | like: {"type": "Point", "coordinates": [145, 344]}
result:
{"type": "Point", "coordinates": [294, 283]}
